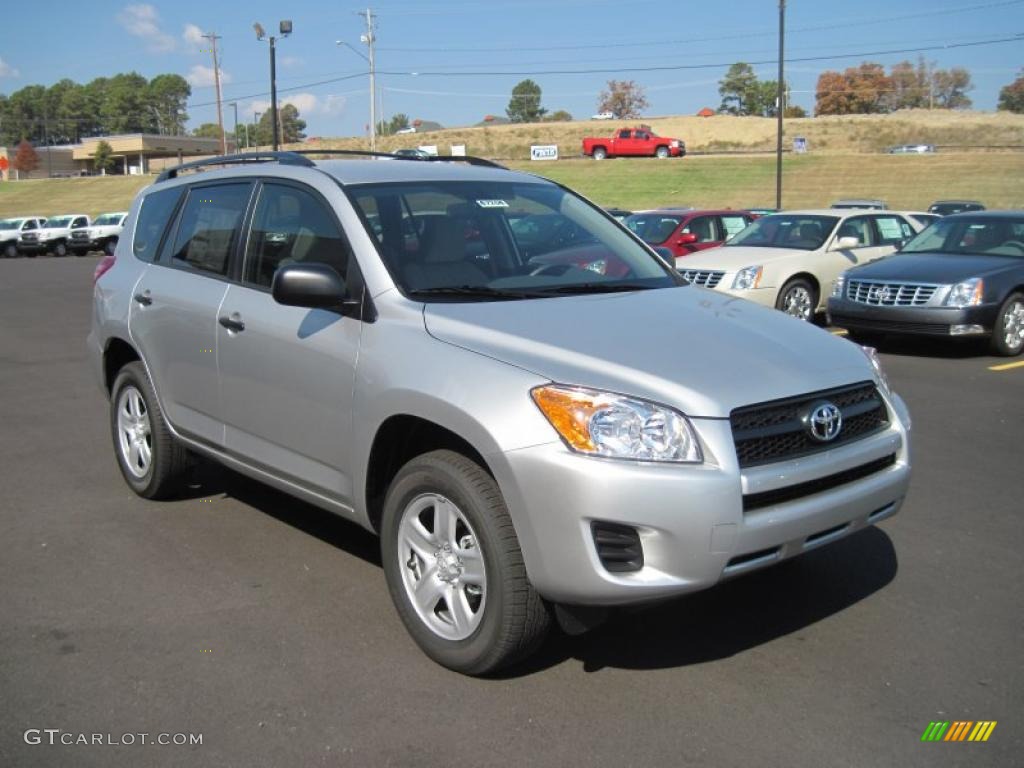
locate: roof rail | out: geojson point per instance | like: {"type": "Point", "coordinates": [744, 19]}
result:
{"type": "Point", "coordinates": [468, 159]}
{"type": "Point", "coordinates": [285, 158]}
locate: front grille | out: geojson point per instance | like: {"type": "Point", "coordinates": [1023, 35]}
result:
{"type": "Point", "coordinates": [889, 326]}
{"type": "Point", "coordinates": [30, 238]}
{"type": "Point", "coordinates": [83, 236]}
{"type": "Point", "coordinates": [880, 294]}
{"type": "Point", "coordinates": [752, 501]}
{"type": "Point", "coordinates": [775, 431]}
{"type": "Point", "coordinates": [618, 547]}
{"type": "Point", "coordinates": [704, 278]}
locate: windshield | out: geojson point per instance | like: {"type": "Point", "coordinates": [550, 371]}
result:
{"type": "Point", "coordinates": [108, 219]}
{"type": "Point", "coordinates": [10, 223]}
{"type": "Point", "coordinates": [473, 241]}
{"type": "Point", "coordinates": [57, 222]}
{"type": "Point", "coordinates": [988, 236]}
{"type": "Point", "coordinates": [805, 232]}
{"type": "Point", "coordinates": [653, 228]}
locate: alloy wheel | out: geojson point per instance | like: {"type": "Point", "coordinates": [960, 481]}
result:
{"type": "Point", "coordinates": [797, 303]}
{"type": "Point", "coordinates": [442, 567]}
{"type": "Point", "coordinates": [1013, 325]}
{"type": "Point", "coordinates": [134, 434]}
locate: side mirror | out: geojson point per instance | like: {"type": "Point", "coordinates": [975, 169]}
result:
{"type": "Point", "coordinates": [687, 238]}
{"type": "Point", "coordinates": [846, 243]}
{"type": "Point", "coordinates": [316, 286]}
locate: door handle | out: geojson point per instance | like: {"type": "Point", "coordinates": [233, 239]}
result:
{"type": "Point", "coordinates": [144, 298]}
{"type": "Point", "coordinates": [232, 323]}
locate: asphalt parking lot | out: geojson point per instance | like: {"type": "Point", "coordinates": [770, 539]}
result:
{"type": "Point", "coordinates": [264, 624]}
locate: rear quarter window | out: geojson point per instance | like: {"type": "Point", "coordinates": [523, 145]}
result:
{"type": "Point", "coordinates": [154, 217]}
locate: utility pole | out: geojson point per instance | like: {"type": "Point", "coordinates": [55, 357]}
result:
{"type": "Point", "coordinates": [213, 38]}
{"type": "Point", "coordinates": [370, 39]}
{"type": "Point", "coordinates": [780, 105]}
{"type": "Point", "coordinates": [256, 127]}
{"type": "Point", "coordinates": [234, 105]}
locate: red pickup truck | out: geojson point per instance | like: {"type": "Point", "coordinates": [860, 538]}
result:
{"type": "Point", "coordinates": [633, 142]}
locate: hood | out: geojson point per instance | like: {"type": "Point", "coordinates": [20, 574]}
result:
{"type": "Point", "coordinates": [941, 268]}
{"type": "Point", "coordinates": [735, 257]}
{"type": "Point", "coordinates": [701, 351]}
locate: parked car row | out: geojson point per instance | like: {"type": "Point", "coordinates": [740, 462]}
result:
{"type": "Point", "coordinates": [61, 235]}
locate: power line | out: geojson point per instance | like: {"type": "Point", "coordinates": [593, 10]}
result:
{"type": "Point", "coordinates": [715, 38]}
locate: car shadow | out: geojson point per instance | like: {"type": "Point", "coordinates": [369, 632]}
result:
{"type": "Point", "coordinates": [925, 346]}
{"type": "Point", "coordinates": [707, 626]}
{"type": "Point", "coordinates": [733, 617]}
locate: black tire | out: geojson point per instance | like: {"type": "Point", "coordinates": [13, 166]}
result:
{"type": "Point", "coordinates": [110, 246]}
{"type": "Point", "coordinates": [798, 298]}
{"type": "Point", "coordinates": [60, 249]}
{"type": "Point", "coordinates": [1008, 322]}
{"type": "Point", "coordinates": [866, 338]}
{"type": "Point", "coordinates": [514, 619]}
{"type": "Point", "coordinates": [169, 459]}
{"type": "Point", "coordinates": [661, 153]}
{"type": "Point", "coordinates": [600, 153]}
{"type": "Point", "coordinates": [10, 251]}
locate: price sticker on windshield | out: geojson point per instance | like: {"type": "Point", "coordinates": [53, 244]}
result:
{"type": "Point", "coordinates": [492, 203]}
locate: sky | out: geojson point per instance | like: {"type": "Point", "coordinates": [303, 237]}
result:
{"type": "Point", "coordinates": [454, 61]}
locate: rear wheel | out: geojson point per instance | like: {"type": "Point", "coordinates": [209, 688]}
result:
{"type": "Point", "coordinates": [10, 251]}
{"type": "Point", "coordinates": [60, 249]}
{"type": "Point", "coordinates": [798, 298]}
{"type": "Point", "coordinates": [149, 457]}
{"type": "Point", "coordinates": [600, 153]}
{"type": "Point", "coordinates": [454, 567]}
{"type": "Point", "coordinates": [661, 152]}
{"type": "Point", "coordinates": [1008, 333]}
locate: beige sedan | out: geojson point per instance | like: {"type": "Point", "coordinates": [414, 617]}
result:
{"type": "Point", "coordinates": [789, 260]}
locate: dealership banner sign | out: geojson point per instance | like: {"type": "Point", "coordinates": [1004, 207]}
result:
{"type": "Point", "coordinates": [544, 152]}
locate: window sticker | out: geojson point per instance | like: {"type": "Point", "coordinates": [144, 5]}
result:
{"type": "Point", "coordinates": [492, 203]}
{"type": "Point", "coordinates": [890, 229]}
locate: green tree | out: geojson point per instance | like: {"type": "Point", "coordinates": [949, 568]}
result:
{"type": "Point", "coordinates": [103, 157]}
{"type": "Point", "coordinates": [950, 87]}
{"type": "Point", "coordinates": [292, 127]}
{"type": "Point", "coordinates": [623, 98]}
{"type": "Point", "coordinates": [1011, 97]}
{"type": "Point", "coordinates": [740, 91]}
{"type": "Point", "coordinates": [166, 98]}
{"type": "Point", "coordinates": [208, 131]}
{"type": "Point", "coordinates": [124, 104]}
{"type": "Point", "coordinates": [559, 116]}
{"type": "Point", "coordinates": [524, 106]}
{"type": "Point", "coordinates": [390, 127]}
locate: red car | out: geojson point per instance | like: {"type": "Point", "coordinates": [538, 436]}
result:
{"type": "Point", "coordinates": [633, 142]}
{"type": "Point", "coordinates": [684, 230]}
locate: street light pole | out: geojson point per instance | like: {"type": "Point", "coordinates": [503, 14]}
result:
{"type": "Point", "coordinates": [369, 39]}
{"type": "Point", "coordinates": [285, 29]}
{"type": "Point", "coordinates": [780, 106]}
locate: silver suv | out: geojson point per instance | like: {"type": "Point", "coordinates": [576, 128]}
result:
{"type": "Point", "coordinates": [537, 414]}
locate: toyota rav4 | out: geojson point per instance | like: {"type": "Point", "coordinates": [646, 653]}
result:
{"type": "Point", "coordinates": [534, 441]}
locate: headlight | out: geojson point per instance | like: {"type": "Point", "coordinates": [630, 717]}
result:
{"type": "Point", "coordinates": [618, 427]}
{"type": "Point", "coordinates": [747, 278]}
{"type": "Point", "coordinates": [872, 355]}
{"type": "Point", "coordinates": [966, 294]}
{"type": "Point", "coordinates": [838, 286]}
{"type": "Point", "coordinates": [675, 143]}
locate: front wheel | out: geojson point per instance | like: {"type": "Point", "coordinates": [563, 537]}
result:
{"type": "Point", "coordinates": [1008, 333]}
{"type": "Point", "coordinates": [10, 251]}
{"type": "Point", "coordinates": [60, 249]}
{"type": "Point", "coordinates": [661, 153]}
{"type": "Point", "coordinates": [798, 298]}
{"type": "Point", "coordinates": [454, 567]}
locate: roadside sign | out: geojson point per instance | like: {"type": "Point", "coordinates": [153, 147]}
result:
{"type": "Point", "coordinates": [544, 152]}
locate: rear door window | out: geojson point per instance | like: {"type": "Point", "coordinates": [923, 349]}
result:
{"type": "Point", "coordinates": [893, 230]}
{"type": "Point", "coordinates": [209, 228]}
{"type": "Point", "coordinates": [154, 217]}
{"type": "Point", "coordinates": [732, 225]}
{"type": "Point", "coordinates": [860, 228]}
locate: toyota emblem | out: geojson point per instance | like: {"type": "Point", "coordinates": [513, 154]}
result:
{"type": "Point", "coordinates": [824, 421]}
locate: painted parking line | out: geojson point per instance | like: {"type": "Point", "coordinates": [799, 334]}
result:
{"type": "Point", "coordinates": [1006, 366]}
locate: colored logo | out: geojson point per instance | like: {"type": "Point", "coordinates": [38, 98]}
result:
{"type": "Point", "coordinates": [823, 422]}
{"type": "Point", "coordinates": [959, 730]}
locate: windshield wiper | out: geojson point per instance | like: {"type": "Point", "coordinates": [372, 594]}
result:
{"type": "Point", "coordinates": [597, 288]}
{"type": "Point", "coordinates": [478, 291]}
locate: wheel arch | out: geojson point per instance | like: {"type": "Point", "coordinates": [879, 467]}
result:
{"type": "Point", "coordinates": [804, 276]}
{"type": "Point", "coordinates": [116, 354]}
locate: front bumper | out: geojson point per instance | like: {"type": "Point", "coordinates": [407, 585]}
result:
{"type": "Point", "coordinates": [37, 247]}
{"type": "Point", "coordinates": [919, 321]}
{"type": "Point", "coordinates": [690, 518]}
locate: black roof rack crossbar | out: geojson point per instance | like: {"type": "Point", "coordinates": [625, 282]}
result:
{"type": "Point", "coordinates": [285, 158]}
